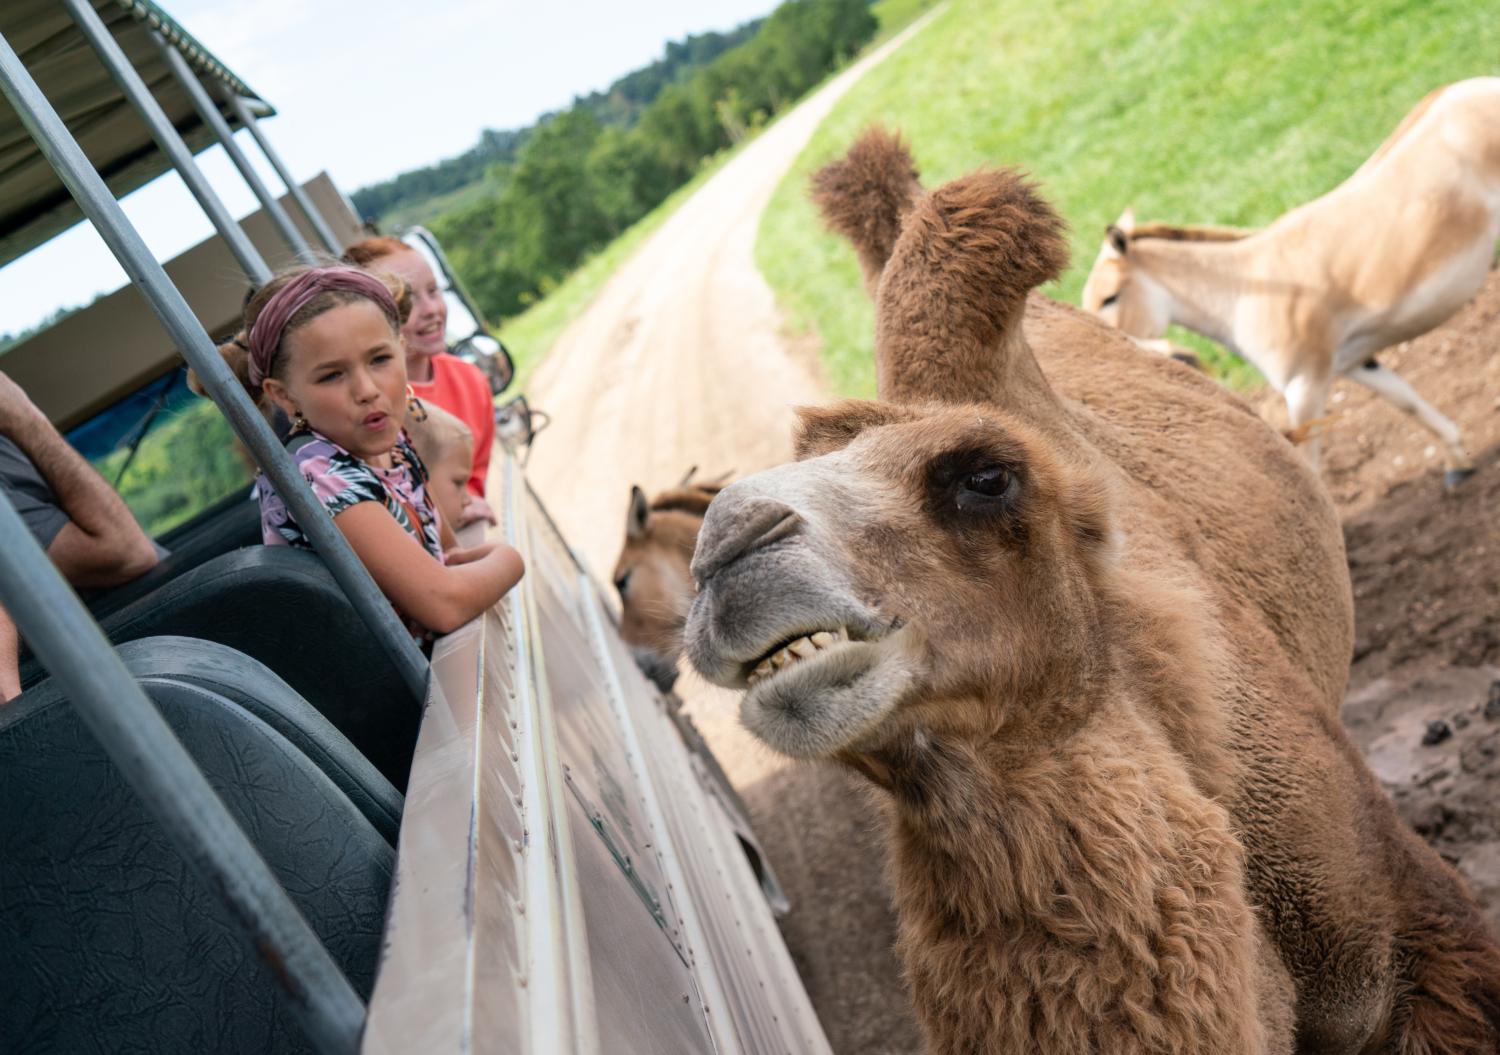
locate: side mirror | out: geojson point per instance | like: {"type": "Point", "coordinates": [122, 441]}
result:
{"type": "Point", "coordinates": [513, 423]}
{"type": "Point", "coordinates": [491, 357]}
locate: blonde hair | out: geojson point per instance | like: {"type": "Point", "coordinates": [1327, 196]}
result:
{"type": "Point", "coordinates": [437, 435]}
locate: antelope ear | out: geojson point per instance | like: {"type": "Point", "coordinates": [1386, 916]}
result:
{"type": "Point", "coordinates": [1119, 240]}
{"type": "Point", "coordinates": [635, 520]}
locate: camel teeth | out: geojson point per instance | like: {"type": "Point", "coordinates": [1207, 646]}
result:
{"type": "Point", "coordinates": [803, 647]}
{"type": "Point", "coordinates": [822, 639]}
{"type": "Point", "coordinates": [763, 667]}
{"type": "Point", "coordinates": [843, 634]}
{"type": "Point", "coordinates": [781, 659]}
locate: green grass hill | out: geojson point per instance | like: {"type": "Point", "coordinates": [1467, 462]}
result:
{"type": "Point", "coordinates": [1204, 111]}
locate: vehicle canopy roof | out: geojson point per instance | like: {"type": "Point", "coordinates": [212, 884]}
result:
{"type": "Point", "coordinates": [34, 204]}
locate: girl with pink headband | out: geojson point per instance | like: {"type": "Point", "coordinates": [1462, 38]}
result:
{"type": "Point", "coordinates": [324, 344]}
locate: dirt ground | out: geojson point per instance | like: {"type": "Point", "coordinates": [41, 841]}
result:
{"type": "Point", "coordinates": [1425, 565]}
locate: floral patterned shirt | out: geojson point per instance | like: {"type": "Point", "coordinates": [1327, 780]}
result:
{"type": "Point", "coordinates": [340, 480]}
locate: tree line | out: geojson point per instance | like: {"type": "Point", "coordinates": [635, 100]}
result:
{"type": "Point", "coordinates": [619, 104]}
{"type": "Point", "coordinates": [578, 180]}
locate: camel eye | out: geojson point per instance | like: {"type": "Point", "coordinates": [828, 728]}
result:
{"type": "Point", "coordinates": [990, 482]}
{"type": "Point", "coordinates": [1107, 301]}
{"type": "Point", "coordinates": [621, 583]}
{"type": "Point", "coordinates": [986, 489]}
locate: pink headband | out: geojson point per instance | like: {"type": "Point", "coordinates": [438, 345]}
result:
{"type": "Point", "coordinates": [265, 335]}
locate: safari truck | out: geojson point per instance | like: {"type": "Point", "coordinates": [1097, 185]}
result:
{"type": "Point", "coordinates": [240, 810]}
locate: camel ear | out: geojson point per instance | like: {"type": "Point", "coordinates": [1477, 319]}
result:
{"type": "Point", "coordinates": [1119, 240]}
{"type": "Point", "coordinates": [823, 430]}
{"type": "Point", "coordinates": [1126, 222]}
{"type": "Point", "coordinates": [635, 520]}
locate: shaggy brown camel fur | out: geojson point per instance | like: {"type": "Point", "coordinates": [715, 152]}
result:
{"type": "Point", "coordinates": [1086, 621]}
{"type": "Point", "coordinates": [1390, 253]}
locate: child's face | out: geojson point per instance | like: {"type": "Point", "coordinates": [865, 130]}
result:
{"type": "Point", "coordinates": [448, 480]}
{"type": "Point", "coordinates": [345, 373]}
{"type": "Point", "coordinates": [426, 329]}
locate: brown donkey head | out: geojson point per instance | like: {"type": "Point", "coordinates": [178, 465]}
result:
{"type": "Point", "coordinates": [652, 576]}
{"type": "Point", "coordinates": [935, 561]}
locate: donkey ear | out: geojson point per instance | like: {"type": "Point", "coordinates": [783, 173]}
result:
{"type": "Point", "coordinates": [635, 520]}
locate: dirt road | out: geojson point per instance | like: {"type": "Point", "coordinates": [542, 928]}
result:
{"type": "Point", "coordinates": [681, 361]}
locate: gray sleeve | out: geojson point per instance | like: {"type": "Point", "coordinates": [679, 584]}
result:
{"type": "Point", "coordinates": [30, 494]}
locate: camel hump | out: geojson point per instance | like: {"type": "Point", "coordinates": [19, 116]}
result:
{"type": "Point", "coordinates": [986, 239]}
{"type": "Point", "coordinates": [948, 320]}
{"type": "Point", "coordinates": [864, 195]}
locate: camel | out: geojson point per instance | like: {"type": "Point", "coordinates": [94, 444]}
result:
{"type": "Point", "coordinates": [812, 822]}
{"type": "Point", "coordinates": [1084, 623]}
{"type": "Point", "coordinates": [1390, 253]}
{"type": "Point", "coordinates": [651, 574]}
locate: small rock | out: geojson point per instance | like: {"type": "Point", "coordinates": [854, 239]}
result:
{"type": "Point", "coordinates": [1437, 732]}
{"type": "Point", "coordinates": [1492, 705]}
{"type": "Point", "coordinates": [1460, 721]}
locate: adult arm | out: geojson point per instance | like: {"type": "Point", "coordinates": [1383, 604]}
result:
{"type": "Point", "coordinates": [439, 597]}
{"type": "Point", "coordinates": [101, 544]}
{"type": "Point", "coordinates": [10, 659]}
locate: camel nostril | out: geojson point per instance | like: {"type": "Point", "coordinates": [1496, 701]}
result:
{"type": "Point", "coordinates": [737, 529]}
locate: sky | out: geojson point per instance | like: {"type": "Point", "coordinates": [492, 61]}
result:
{"type": "Point", "coordinates": [368, 89]}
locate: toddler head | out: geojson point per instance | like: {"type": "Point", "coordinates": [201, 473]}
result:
{"type": "Point", "coordinates": [446, 446]}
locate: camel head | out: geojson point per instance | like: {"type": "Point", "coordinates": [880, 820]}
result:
{"type": "Point", "coordinates": [921, 567]}
{"type": "Point", "coordinates": [934, 561]}
{"type": "Point", "coordinates": [652, 577]}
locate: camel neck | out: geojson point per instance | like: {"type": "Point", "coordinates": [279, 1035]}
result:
{"type": "Point", "coordinates": [1050, 899]}
{"type": "Point", "coordinates": [997, 368]}
{"type": "Point", "coordinates": [1202, 281]}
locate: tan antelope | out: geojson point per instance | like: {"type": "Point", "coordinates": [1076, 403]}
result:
{"type": "Point", "coordinates": [1387, 255]}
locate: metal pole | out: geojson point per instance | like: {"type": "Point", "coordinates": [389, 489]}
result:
{"type": "Point", "coordinates": [304, 203]}
{"type": "Point", "coordinates": [173, 788]}
{"type": "Point", "coordinates": [125, 75]}
{"type": "Point", "coordinates": [68, 160]}
{"type": "Point", "coordinates": [209, 111]}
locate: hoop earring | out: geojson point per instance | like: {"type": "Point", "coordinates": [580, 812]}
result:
{"type": "Point", "coordinates": [414, 408]}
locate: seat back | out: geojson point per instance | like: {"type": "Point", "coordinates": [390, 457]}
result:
{"type": "Point", "coordinates": [282, 607]}
{"type": "Point", "coordinates": [253, 686]}
{"type": "Point", "coordinates": [111, 941]}
{"type": "Point", "coordinates": [230, 525]}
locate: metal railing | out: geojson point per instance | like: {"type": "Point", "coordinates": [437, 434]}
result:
{"type": "Point", "coordinates": [209, 111]}
{"type": "Point", "coordinates": [71, 645]}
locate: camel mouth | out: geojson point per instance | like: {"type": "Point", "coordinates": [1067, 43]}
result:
{"type": "Point", "coordinates": [832, 690]}
{"type": "Point", "coordinates": [793, 650]}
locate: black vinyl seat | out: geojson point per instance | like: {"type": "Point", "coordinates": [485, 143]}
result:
{"type": "Point", "coordinates": [281, 606]}
{"type": "Point", "coordinates": [256, 688]}
{"type": "Point", "coordinates": [111, 942]}
{"type": "Point", "coordinates": [231, 524]}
